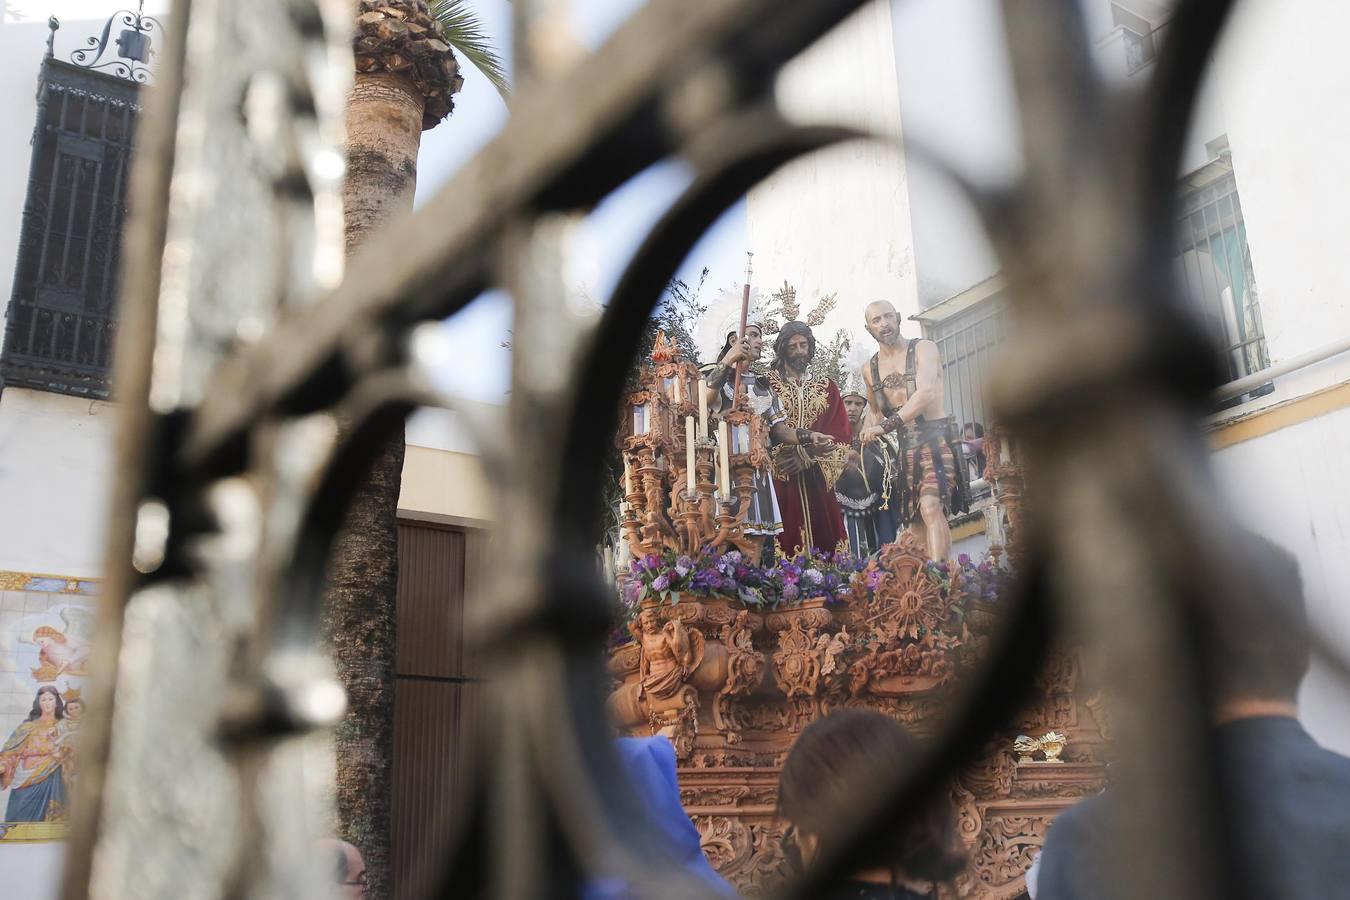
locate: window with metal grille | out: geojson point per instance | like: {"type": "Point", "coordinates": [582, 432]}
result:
{"type": "Point", "coordinates": [967, 342]}
{"type": "Point", "coordinates": [62, 313]}
{"type": "Point", "coordinates": [1215, 265]}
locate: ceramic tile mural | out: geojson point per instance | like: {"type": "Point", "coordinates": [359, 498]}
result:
{"type": "Point", "coordinates": [45, 629]}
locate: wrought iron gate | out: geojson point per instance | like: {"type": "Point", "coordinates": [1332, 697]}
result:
{"type": "Point", "coordinates": [229, 477]}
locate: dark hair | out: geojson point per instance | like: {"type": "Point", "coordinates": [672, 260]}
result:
{"type": "Point", "coordinates": [1260, 635]}
{"type": "Point", "coordinates": [37, 705]}
{"type": "Point", "coordinates": [788, 332]}
{"type": "Point", "coordinates": [831, 775]}
{"type": "Point", "coordinates": [975, 427]}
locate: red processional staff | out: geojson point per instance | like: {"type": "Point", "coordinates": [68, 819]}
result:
{"type": "Point", "coordinates": [740, 334]}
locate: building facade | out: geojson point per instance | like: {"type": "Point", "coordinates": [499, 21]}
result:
{"type": "Point", "coordinates": [1258, 255]}
{"type": "Point", "coordinates": [62, 210]}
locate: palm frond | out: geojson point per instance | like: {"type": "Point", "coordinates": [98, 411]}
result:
{"type": "Point", "coordinates": [464, 32]}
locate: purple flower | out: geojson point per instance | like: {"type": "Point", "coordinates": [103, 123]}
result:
{"type": "Point", "coordinates": [684, 565]}
{"type": "Point", "coordinates": [742, 572]}
{"type": "Point", "coordinates": [791, 592]}
{"type": "Point", "coordinates": [651, 561]}
{"type": "Point", "coordinates": [732, 556]}
{"type": "Point", "coordinates": [873, 579]}
{"type": "Point", "coordinates": [813, 577]}
{"type": "Point", "coordinates": [661, 583]}
{"type": "Point", "coordinates": [632, 591]}
{"type": "Point", "coordinates": [964, 559]}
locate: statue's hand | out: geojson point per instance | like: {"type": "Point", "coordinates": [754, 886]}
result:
{"type": "Point", "coordinates": [790, 464]}
{"type": "Point", "coordinates": [871, 433]}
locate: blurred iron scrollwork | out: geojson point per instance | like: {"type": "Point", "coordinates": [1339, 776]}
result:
{"type": "Point", "coordinates": [231, 370]}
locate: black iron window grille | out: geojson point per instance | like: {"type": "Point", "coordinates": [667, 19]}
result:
{"type": "Point", "coordinates": [1213, 262]}
{"type": "Point", "coordinates": [62, 313]}
{"type": "Point", "coordinates": [1215, 266]}
{"type": "Point", "coordinates": [969, 341]}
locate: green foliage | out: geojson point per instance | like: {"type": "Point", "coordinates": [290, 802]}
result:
{"type": "Point", "coordinates": [464, 32]}
{"type": "Point", "coordinates": [677, 314]}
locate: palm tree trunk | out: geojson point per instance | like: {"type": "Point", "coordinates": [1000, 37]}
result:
{"type": "Point", "coordinates": [405, 78]}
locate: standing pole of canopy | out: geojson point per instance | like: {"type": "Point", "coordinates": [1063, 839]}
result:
{"type": "Point", "coordinates": [740, 334]}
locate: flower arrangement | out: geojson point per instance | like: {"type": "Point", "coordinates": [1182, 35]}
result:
{"type": "Point", "coordinates": [789, 580]}
{"type": "Point", "coordinates": [666, 577]}
{"type": "Point", "coordinates": [971, 582]}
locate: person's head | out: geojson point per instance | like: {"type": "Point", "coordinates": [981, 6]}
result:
{"type": "Point", "coordinates": [883, 322]}
{"type": "Point", "coordinates": [754, 334]}
{"type": "Point", "coordinates": [1260, 649]}
{"type": "Point", "coordinates": [973, 431]}
{"type": "Point", "coordinates": [829, 778]}
{"type": "Point", "coordinates": [74, 705]}
{"type": "Point", "coordinates": [795, 347]}
{"type": "Point", "coordinates": [46, 636]}
{"type": "Point", "coordinates": [856, 404]}
{"type": "Point", "coordinates": [346, 865]}
{"type": "Point", "coordinates": [648, 621]}
{"type": "Point", "coordinates": [47, 704]}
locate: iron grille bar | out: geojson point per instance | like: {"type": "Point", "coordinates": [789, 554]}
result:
{"type": "Point", "coordinates": [1107, 378]}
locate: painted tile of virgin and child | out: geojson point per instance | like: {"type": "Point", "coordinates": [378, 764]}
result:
{"type": "Point", "coordinates": [32, 760]}
{"type": "Point", "coordinates": [43, 661]}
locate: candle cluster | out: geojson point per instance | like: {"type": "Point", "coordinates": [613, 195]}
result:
{"type": "Point", "coordinates": [686, 488]}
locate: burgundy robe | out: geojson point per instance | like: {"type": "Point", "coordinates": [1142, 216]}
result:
{"type": "Point", "coordinates": [811, 516]}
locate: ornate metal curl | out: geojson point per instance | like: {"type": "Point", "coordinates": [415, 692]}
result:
{"type": "Point", "coordinates": [134, 45]}
{"type": "Point", "coordinates": [692, 79]}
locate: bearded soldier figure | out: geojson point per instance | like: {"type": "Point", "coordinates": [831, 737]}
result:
{"type": "Point", "coordinates": [806, 467]}
{"type": "Point", "coordinates": [904, 388]}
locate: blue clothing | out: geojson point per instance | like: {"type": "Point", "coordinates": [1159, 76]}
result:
{"type": "Point", "coordinates": [41, 802]}
{"type": "Point", "coordinates": [1291, 808]}
{"type": "Point", "coordinates": [650, 766]}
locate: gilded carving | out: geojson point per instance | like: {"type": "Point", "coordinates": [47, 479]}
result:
{"type": "Point", "coordinates": [696, 672]}
{"type": "Point", "coordinates": [796, 662]}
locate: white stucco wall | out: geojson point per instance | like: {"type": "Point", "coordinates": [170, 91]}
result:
{"type": "Point", "coordinates": [55, 458]}
{"type": "Point", "coordinates": [1284, 77]}
{"type": "Point", "coordinates": [1292, 486]}
{"type": "Point", "coordinates": [32, 871]}
{"type": "Point", "coordinates": [839, 221]}
{"type": "Point", "coordinates": [1276, 88]}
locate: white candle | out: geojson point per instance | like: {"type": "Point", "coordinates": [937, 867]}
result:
{"type": "Point", "coordinates": [689, 451]}
{"type": "Point", "coordinates": [1005, 452]}
{"type": "Point", "coordinates": [723, 443]}
{"type": "Point", "coordinates": [702, 411]}
{"type": "Point", "coordinates": [627, 476]}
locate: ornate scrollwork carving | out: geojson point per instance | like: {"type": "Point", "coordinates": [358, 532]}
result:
{"type": "Point", "coordinates": [796, 662]}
